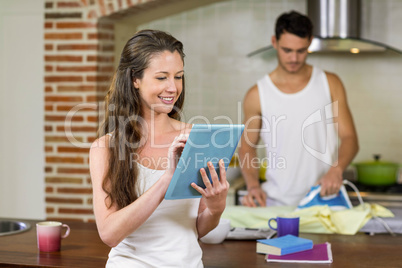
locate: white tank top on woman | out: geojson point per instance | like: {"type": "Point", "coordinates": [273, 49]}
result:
{"type": "Point", "coordinates": [299, 135]}
{"type": "Point", "coordinates": [168, 238]}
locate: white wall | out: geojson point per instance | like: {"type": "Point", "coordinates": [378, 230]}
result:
{"type": "Point", "coordinates": [218, 37]}
{"type": "Point", "coordinates": [21, 109]}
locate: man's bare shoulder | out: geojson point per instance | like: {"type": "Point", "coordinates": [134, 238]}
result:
{"type": "Point", "coordinates": [335, 86]}
{"type": "Point", "coordinates": [252, 94]}
{"type": "Point", "coordinates": [251, 102]}
{"type": "Point", "coordinates": [333, 78]}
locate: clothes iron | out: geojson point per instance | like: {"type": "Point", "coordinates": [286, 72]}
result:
{"type": "Point", "coordinates": [336, 202]}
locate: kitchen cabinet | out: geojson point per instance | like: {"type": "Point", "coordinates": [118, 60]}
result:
{"type": "Point", "coordinates": [83, 248]}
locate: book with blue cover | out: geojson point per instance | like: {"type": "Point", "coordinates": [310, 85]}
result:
{"type": "Point", "coordinates": [283, 245]}
{"type": "Point", "coordinates": [206, 142]}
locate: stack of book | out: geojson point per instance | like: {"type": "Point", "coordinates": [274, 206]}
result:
{"type": "Point", "coordinates": [291, 248]}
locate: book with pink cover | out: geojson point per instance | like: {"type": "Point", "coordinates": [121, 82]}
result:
{"type": "Point", "coordinates": [320, 253]}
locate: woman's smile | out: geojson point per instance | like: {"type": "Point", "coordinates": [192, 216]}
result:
{"type": "Point", "coordinates": [167, 100]}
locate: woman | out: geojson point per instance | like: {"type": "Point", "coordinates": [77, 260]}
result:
{"type": "Point", "coordinates": [133, 161]}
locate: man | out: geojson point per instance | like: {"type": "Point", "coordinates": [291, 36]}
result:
{"type": "Point", "coordinates": [300, 112]}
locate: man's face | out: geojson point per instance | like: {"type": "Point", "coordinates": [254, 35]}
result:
{"type": "Point", "coordinates": [292, 51]}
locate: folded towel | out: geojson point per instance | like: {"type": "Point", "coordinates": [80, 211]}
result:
{"type": "Point", "coordinates": [315, 219]}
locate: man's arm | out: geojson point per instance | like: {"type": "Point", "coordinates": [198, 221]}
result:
{"type": "Point", "coordinates": [332, 181]}
{"type": "Point", "coordinates": [247, 149]}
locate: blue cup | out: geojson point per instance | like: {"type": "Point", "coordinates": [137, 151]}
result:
{"type": "Point", "coordinates": [285, 225]}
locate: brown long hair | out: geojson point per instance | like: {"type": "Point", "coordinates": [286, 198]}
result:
{"type": "Point", "coordinates": [123, 113]}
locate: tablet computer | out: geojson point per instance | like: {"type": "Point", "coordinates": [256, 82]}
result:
{"type": "Point", "coordinates": [206, 142]}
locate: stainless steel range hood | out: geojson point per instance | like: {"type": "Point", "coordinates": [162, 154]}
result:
{"type": "Point", "coordinates": [337, 26]}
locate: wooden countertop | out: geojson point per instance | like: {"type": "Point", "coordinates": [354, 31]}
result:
{"type": "Point", "coordinates": [83, 248]}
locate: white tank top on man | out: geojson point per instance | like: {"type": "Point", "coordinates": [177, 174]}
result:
{"type": "Point", "coordinates": [300, 137]}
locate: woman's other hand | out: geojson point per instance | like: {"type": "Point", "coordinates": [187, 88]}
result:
{"type": "Point", "coordinates": [214, 193]}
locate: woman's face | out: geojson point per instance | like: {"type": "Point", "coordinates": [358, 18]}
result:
{"type": "Point", "coordinates": [162, 82]}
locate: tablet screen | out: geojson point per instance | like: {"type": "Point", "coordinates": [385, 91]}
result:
{"type": "Point", "coordinates": [206, 142]}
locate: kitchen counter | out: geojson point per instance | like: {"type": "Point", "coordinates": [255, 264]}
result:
{"type": "Point", "coordinates": [83, 248]}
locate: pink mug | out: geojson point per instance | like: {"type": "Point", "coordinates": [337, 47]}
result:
{"type": "Point", "coordinates": [49, 235]}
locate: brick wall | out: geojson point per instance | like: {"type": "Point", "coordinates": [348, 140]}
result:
{"type": "Point", "coordinates": [79, 56]}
